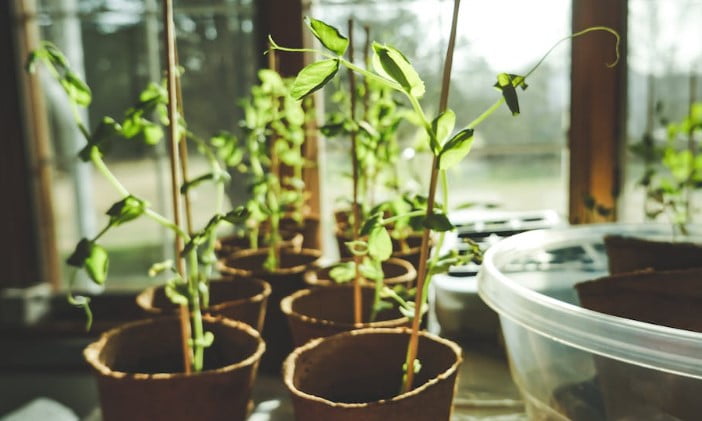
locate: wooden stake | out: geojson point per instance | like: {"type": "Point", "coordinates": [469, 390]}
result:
{"type": "Point", "coordinates": [183, 150]}
{"type": "Point", "coordinates": [169, 42]}
{"type": "Point", "coordinates": [275, 169]}
{"type": "Point", "coordinates": [357, 303]}
{"type": "Point", "coordinates": [424, 250]}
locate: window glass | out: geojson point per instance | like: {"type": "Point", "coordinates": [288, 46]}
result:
{"type": "Point", "coordinates": [664, 68]}
{"type": "Point", "coordinates": [516, 162]}
{"type": "Point", "coordinates": [116, 46]}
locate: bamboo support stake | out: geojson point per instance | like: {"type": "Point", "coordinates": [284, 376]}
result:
{"type": "Point", "coordinates": [183, 149]}
{"type": "Point", "coordinates": [367, 63]}
{"type": "Point", "coordinates": [275, 169]}
{"type": "Point", "coordinates": [169, 41]}
{"type": "Point", "coordinates": [357, 303]}
{"type": "Point", "coordinates": [424, 251]}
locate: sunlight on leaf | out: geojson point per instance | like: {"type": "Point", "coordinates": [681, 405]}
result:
{"type": "Point", "coordinates": [456, 149]}
{"type": "Point", "coordinates": [314, 77]}
{"type": "Point", "coordinates": [328, 35]}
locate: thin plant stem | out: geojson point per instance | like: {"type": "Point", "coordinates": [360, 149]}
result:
{"type": "Point", "coordinates": [169, 41]}
{"type": "Point", "coordinates": [357, 304]}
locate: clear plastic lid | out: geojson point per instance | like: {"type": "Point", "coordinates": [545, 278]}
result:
{"type": "Point", "coordinates": [529, 277]}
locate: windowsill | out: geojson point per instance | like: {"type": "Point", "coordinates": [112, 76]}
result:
{"type": "Point", "coordinates": [55, 342]}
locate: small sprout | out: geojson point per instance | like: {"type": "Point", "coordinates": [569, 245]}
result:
{"type": "Point", "coordinates": [177, 291]}
{"type": "Point", "coordinates": [161, 267]}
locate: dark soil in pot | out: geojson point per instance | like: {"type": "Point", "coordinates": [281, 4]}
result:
{"type": "Point", "coordinates": [238, 298]}
{"type": "Point", "coordinates": [284, 281]}
{"type": "Point", "coordinates": [397, 272]}
{"type": "Point", "coordinates": [321, 312]}
{"type": "Point", "coordinates": [666, 298]}
{"type": "Point", "coordinates": [140, 375]}
{"type": "Point", "coordinates": [629, 254]}
{"type": "Point", "coordinates": [357, 376]}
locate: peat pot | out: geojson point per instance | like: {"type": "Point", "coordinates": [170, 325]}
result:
{"type": "Point", "coordinates": [139, 372]}
{"type": "Point", "coordinates": [629, 253]}
{"type": "Point", "coordinates": [321, 312]}
{"type": "Point", "coordinates": [572, 362]}
{"type": "Point", "coordinates": [283, 281]}
{"type": "Point", "coordinates": [242, 299]}
{"type": "Point", "coordinates": [396, 271]}
{"type": "Point", "coordinates": [233, 243]}
{"type": "Point", "coordinates": [356, 375]}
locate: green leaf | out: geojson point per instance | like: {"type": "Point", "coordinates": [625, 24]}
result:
{"type": "Point", "coordinates": [442, 126]}
{"type": "Point", "coordinates": [97, 263]}
{"type": "Point", "coordinates": [153, 133]}
{"type": "Point", "coordinates": [126, 210]}
{"type": "Point", "coordinates": [237, 216]}
{"type": "Point", "coordinates": [328, 35]}
{"type": "Point", "coordinates": [313, 77]}
{"type": "Point", "coordinates": [76, 89]}
{"type": "Point", "coordinates": [372, 223]}
{"type": "Point", "coordinates": [372, 269]}
{"type": "Point", "coordinates": [380, 244]}
{"type": "Point", "coordinates": [343, 272]}
{"type": "Point", "coordinates": [80, 253]}
{"type": "Point", "coordinates": [389, 61]}
{"type": "Point", "coordinates": [508, 83]}
{"type": "Point", "coordinates": [438, 222]}
{"type": "Point", "coordinates": [456, 149]}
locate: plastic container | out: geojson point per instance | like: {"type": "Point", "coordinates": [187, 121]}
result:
{"type": "Point", "coordinates": [459, 311]}
{"type": "Point", "coordinates": [573, 363]}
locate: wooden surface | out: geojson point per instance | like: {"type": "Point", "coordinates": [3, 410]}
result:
{"type": "Point", "coordinates": [597, 110]}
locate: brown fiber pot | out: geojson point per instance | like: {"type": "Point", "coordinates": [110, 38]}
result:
{"type": "Point", "coordinates": [139, 372]}
{"type": "Point", "coordinates": [284, 281]}
{"type": "Point", "coordinates": [666, 298]}
{"type": "Point", "coordinates": [233, 243]}
{"type": "Point", "coordinates": [356, 376]}
{"type": "Point", "coordinates": [310, 230]}
{"type": "Point", "coordinates": [321, 312]}
{"type": "Point", "coordinates": [629, 254]}
{"type": "Point", "coordinates": [238, 298]}
{"type": "Point", "coordinates": [396, 271]}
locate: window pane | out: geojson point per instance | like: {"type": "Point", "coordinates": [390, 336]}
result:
{"type": "Point", "coordinates": [116, 45]}
{"type": "Point", "coordinates": [664, 65]}
{"type": "Point", "coordinates": [516, 162]}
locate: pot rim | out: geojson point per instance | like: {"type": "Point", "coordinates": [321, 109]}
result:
{"type": "Point", "coordinates": [254, 299]}
{"type": "Point", "coordinates": [287, 302]}
{"type": "Point", "coordinates": [259, 297]}
{"type": "Point", "coordinates": [289, 366]}
{"type": "Point", "coordinates": [91, 352]}
{"type": "Point", "coordinates": [260, 272]}
{"type": "Point", "coordinates": [311, 277]}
